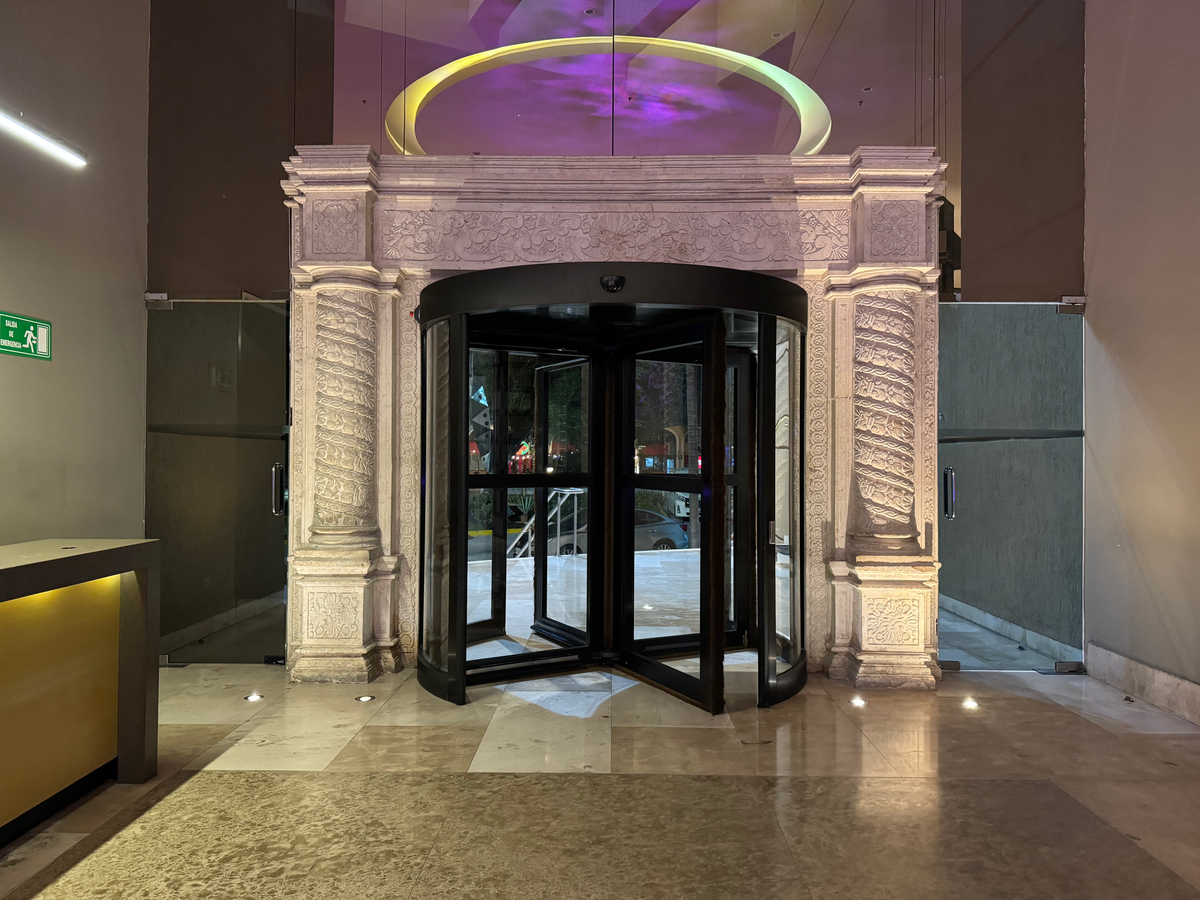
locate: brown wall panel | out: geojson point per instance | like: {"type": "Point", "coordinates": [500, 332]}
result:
{"type": "Point", "coordinates": [234, 86]}
{"type": "Point", "coordinates": [1022, 149]}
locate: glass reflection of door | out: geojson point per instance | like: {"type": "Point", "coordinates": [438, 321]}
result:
{"type": "Point", "coordinates": [782, 661]}
{"type": "Point", "coordinates": [217, 412]}
{"type": "Point", "coordinates": [671, 543]}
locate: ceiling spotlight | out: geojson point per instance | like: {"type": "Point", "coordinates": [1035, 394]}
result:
{"type": "Point", "coordinates": [253, 698]}
{"type": "Point", "coordinates": [365, 698]}
{"type": "Point", "coordinates": [867, 90]}
{"type": "Point", "coordinates": [970, 704]}
{"type": "Point", "coordinates": [16, 125]}
{"type": "Point", "coordinates": [858, 701]}
{"type": "Point", "coordinates": [777, 35]}
{"type": "Point", "coordinates": [590, 11]}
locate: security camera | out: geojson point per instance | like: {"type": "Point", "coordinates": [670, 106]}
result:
{"type": "Point", "coordinates": [612, 283]}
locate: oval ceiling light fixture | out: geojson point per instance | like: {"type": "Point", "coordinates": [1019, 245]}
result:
{"type": "Point", "coordinates": [16, 124]}
{"type": "Point", "coordinates": [401, 120]}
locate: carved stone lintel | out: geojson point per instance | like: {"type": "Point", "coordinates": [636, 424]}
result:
{"type": "Point", "coordinates": [712, 238]}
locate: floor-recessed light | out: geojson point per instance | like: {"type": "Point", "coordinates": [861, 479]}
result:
{"type": "Point", "coordinates": [970, 704]}
{"type": "Point", "coordinates": [858, 701]}
{"type": "Point", "coordinates": [253, 697]}
{"type": "Point", "coordinates": [365, 698]}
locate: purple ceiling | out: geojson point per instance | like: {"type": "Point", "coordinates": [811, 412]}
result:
{"type": "Point", "coordinates": [622, 104]}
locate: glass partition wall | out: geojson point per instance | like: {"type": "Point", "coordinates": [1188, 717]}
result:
{"type": "Point", "coordinates": [613, 485]}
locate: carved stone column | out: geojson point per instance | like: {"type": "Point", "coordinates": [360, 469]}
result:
{"type": "Point", "coordinates": [335, 573]}
{"type": "Point", "coordinates": [891, 582]}
{"type": "Point", "coordinates": [341, 609]}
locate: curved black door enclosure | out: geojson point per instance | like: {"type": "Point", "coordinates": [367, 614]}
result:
{"type": "Point", "coordinates": [612, 469]}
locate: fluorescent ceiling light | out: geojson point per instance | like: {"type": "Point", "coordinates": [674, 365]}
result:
{"type": "Point", "coordinates": [16, 125]}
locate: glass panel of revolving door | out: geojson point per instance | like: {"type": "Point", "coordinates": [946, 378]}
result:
{"type": "Point", "coordinates": [671, 535]}
{"type": "Point", "coordinates": [782, 660]}
{"type": "Point", "coordinates": [529, 422]}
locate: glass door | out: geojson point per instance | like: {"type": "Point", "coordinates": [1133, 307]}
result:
{"type": "Point", "coordinates": [672, 537]}
{"type": "Point", "coordinates": [782, 667]}
{"type": "Point", "coordinates": [560, 608]}
{"type": "Point", "coordinates": [216, 451]}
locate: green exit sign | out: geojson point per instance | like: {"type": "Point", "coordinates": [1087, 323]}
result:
{"type": "Point", "coordinates": [23, 336]}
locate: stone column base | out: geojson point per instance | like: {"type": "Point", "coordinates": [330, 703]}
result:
{"type": "Point", "coordinates": [338, 669]}
{"type": "Point", "coordinates": [892, 598]}
{"type": "Point", "coordinates": [332, 617]}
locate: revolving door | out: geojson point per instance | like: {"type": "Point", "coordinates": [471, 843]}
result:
{"type": "Point", "coordinates": [612, 467]}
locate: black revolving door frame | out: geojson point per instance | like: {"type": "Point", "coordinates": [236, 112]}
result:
{"type": "Point", "coordinates": [569, 516]}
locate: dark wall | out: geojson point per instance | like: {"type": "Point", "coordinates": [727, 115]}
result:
{"type": "Point", "coordinates": [1022, 156]}
{"type": "Point", "coordinates": [234, 87]}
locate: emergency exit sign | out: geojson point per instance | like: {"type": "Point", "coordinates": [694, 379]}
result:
{"type": "Point", "coordinates": [23, 336]}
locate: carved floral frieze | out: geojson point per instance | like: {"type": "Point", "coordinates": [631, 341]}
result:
{"type": "Point", "coordinates": [334, 615]}
{"type": "Point", "coordinates": [716, 238]}
{"type": "Point", "coordinates": [335, 231]}
{"type": "Point", "coordinates": [895, 229]}
{"type": "Point", "coordinates": [892, 621]}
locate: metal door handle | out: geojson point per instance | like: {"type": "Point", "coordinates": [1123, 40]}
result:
{"type": "Point", "coordinates": [949, 493]}
{"type": "Point", "coordinates": [279, 496]}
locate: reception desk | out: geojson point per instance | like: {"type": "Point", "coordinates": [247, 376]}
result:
{"type": "Point", "coordinates": [78, 672]}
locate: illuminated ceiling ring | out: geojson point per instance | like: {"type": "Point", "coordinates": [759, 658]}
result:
{"type": "Point", "coordinates": [401, 119]}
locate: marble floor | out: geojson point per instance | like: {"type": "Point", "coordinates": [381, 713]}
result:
{"type": "Point", "coordinates": [247, 641]}
{"type": "Point", "coordinates": [981, 649]}
{"type": "Point", "coordinates": [998, 785]}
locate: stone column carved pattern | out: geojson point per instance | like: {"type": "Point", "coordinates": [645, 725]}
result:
{"type": "Point", "coordinates": [408, 371]}
{"type": "Point", "coordinates": [817, 503]}
{"type": "Point", "coordinates": [885, 370]}
{"type": "Point", "coordinates": [344, 483]}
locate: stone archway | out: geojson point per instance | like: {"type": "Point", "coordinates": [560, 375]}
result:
{"type": "Point", "coordinates": [858, 232]}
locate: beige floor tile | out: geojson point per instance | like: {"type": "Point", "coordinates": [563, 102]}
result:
{"type": "Point", "coordinates": [26, 857]}
{"type": "Point", "coordinates": [303, 731]}
{"type": "Point", "coordinates": [1133, 757]}
{"type": "Point", "coordinates": [636, 704]}
{"type": "Point", "coordinates": [1163, 819]}
{"type": "Point", "coordinates": [546, 837]}
{"type": "Point", "coordinates": [299, 836]}
{"type": "Point", "coordinates": [951, 754]}
{"type": "Point", "coordinates": [680, 751]}
{"type": "Point", "coordinates": [918, 838]}
{"type": "Point", "coordinates": [409, 748]}
{"type": "Point", "coordinates": [178, 745]}
{"type": "Point", "coordinates": [547, 731]}
{"type": "Point", "coordinates": [215, 695]}
{"type": "Point", "coordinates": [411, 704]}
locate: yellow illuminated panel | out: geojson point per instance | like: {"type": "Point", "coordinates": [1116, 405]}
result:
{"type": "Point", "coordinates": [815, 123]}
{"type": "Point", "coordinates": [58, 690]}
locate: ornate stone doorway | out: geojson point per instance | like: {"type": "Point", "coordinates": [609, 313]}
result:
{"type": "Point", "coordinates": [857, 232]}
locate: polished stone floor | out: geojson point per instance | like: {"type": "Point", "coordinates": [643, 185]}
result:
{"type": "Point", "coordinates": [998, 785]}
{"type": "Point", "coordinates": [981, 649]}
